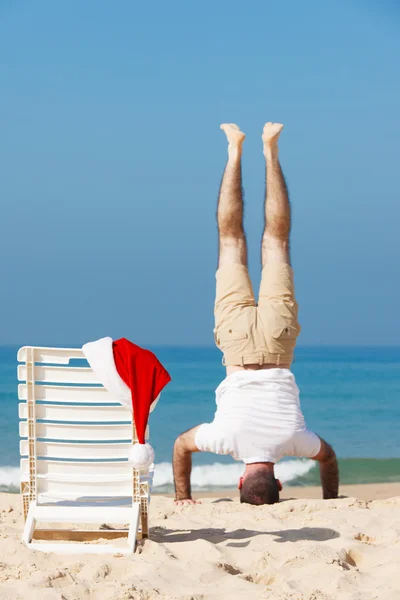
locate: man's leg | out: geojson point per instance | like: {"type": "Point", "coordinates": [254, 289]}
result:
{"type": "Point", "coordinates": [232, 240]}
{"type": "Point", "coordinates": [275, 243]}
{"type": "Point", "coordinates": [277, 303]}
{"type": "Point", "coordinates": [234, 292]}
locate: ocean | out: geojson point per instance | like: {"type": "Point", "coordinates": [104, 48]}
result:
{"type": "Point", "coordinates": [350, 396]}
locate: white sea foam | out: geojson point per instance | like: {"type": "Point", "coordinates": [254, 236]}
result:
{"type": "Point", "coordinates": [218, 475]}
{"type": "Point", "coordinates": [9, 478]}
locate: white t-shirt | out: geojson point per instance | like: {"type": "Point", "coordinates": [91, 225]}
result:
{"type": "Point", "coordinates": [258, 419]}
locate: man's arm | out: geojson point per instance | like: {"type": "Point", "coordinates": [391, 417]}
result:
{"type": "Point", "coordinates": [182, 465]}
{"type": "Point", "coordinates": [329, 470]}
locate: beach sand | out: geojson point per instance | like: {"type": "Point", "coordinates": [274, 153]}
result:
{"type": "Point", "coordinates": [301, 549]}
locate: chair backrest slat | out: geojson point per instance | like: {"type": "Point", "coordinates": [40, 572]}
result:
{"type": "Point", "coordinates": [68, 394]}
{"type": "Point", "coordinates": [51, 412]}
{"type": "Point", "coordinates": [60, 356]}
{"type": "Point", "coordinates": [67, 488]}
{"type": "Point", "coordinates": [80, 471]}
{"type": "Point", "coordinates": [66, 375]}
{"type": "Point", "coordinates": [67, 432]}
{"type": "Point", "coordinates": [75, 451]}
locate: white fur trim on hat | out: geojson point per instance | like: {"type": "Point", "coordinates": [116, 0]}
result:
{"type": "Point", "coordinates": [100, 357]}
{"type": "Point", "coordinates": [141, 456]}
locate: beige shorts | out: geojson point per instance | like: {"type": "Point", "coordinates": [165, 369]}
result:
{"type": "Point", "coordinates": [250, 333]}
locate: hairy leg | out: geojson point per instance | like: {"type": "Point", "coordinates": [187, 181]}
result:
{"type": "Point", "coordinates": [232, 240]}
{"type": "Point", "coordinates": [275, 242]}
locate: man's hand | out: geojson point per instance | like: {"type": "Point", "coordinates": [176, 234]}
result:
{"type": "Point", "coordinates": [329, 470]}
{"type": "Point", "coordinates": [185, 501]}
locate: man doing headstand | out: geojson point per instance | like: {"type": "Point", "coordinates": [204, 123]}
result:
{"type": "Point", "coordinates": [258, 418]}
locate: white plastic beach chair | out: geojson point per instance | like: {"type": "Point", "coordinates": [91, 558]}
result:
{"type": "Point", "coordinates": [77, 439]}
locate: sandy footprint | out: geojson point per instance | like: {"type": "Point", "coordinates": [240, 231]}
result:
{"type": "Point", "coordinates": [364, 538]}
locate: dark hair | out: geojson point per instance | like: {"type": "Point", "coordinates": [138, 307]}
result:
{"type": "Point", "coordinates": [260, 488]}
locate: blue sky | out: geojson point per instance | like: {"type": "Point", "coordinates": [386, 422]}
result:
{"type": "Point", "coordinates": [111, 159]}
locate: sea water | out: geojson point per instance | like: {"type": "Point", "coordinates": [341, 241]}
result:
{"type": "Point", "coordinates": [350, 396]}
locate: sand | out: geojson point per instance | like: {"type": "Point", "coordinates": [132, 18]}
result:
{"type": "Point", "coordinates": [301, 549]}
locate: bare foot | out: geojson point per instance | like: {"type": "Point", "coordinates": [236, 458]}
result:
{"type": "Point", "coordinates": [271, 134]}
{"type": "Point", "coordinates": [234, 135]}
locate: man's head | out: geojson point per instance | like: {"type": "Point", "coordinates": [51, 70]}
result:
{"type": "Point", "coordinates": [259, 486]}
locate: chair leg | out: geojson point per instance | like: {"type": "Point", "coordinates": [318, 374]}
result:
{"type": "Point", "coordinates": [133, 527]}
{"type": "Point", "coordinates": [30, 524]}
{"type": "Point", "coordinates": [144, 518]}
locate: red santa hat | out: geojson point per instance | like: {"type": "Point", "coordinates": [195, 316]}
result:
{"type": "Point", "coordinates": [136, 377]}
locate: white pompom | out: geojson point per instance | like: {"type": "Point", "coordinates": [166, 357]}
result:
{"type": "Point", "coordinates": [141, 456]}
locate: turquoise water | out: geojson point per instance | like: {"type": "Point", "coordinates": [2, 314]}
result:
{"type": "Point", "coordinates": [350, 396]}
